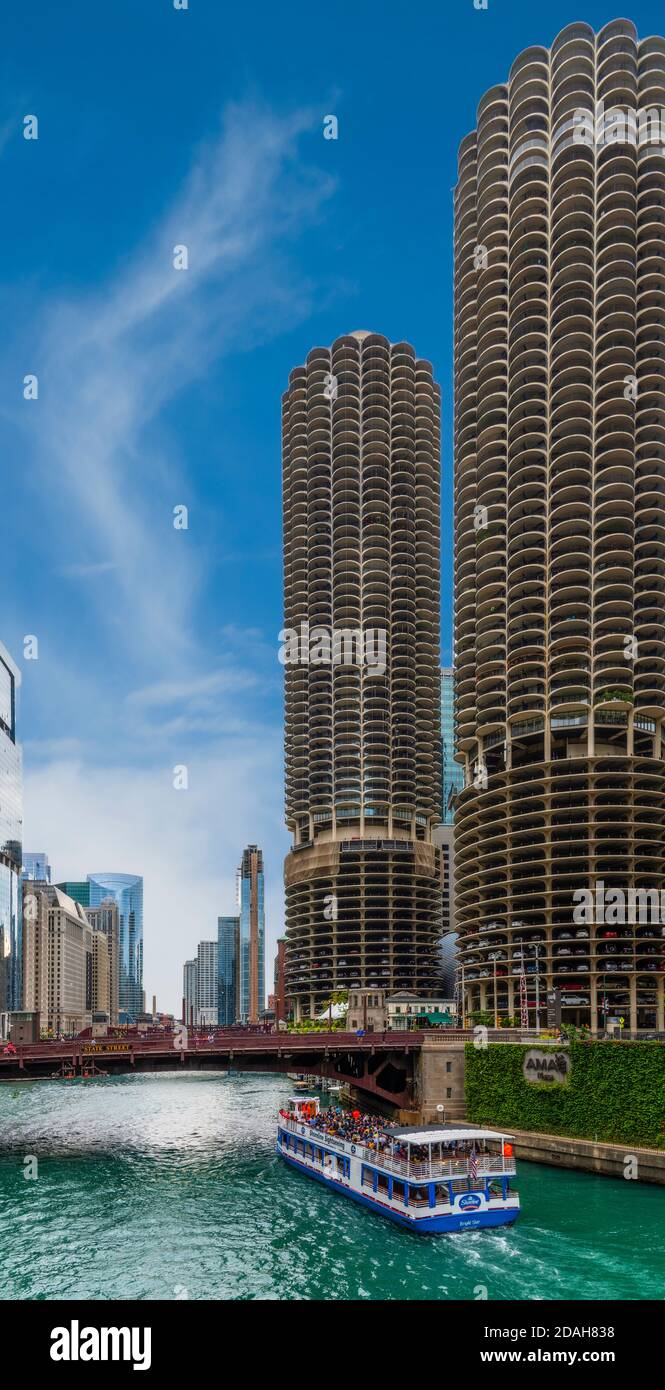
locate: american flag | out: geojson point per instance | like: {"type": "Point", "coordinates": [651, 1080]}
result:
{"type": "Point", "coordinates": [473, 1166]}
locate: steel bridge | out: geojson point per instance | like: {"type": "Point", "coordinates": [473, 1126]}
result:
{"type": "Point", "coordinates": [379, 1065]}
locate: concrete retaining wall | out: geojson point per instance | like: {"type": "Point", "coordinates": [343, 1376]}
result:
{"type": "Point", "coordinates": [591, 1157]}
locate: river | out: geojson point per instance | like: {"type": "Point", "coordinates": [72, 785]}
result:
{"type": "Point", "coordinates": [168, 1187]}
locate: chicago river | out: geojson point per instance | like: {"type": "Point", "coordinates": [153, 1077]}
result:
{"type": "Point", "coordinates": [168, 1187]}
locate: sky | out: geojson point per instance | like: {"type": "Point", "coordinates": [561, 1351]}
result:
{"type": "Point", "coordinates": [160, 388]}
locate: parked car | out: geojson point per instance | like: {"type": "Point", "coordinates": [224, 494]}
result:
{"type": "Point", "coordinates": [582, 932]}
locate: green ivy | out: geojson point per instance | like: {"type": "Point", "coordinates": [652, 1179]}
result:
{"type": "Point", "coordinates": [615, 1092]}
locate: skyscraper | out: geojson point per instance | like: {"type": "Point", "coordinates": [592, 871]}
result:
{"type": "Point", "coordinates": [453, 773]}
{"type": "Point", "coordinates": [279, 980]}
{"type": "Point", "coordinates": [252, 934]}
{"type": "Point", "coordinates": [36, 866]}
{"type": "Point", "coordinates": [58, 959]}
{"type": "Point", "coordinates": [361, 477]}
{"type": "Point", "coordinates": [77, 889]}
{"type": "Point", "coordinates": [127, 892]}
{"type": "Point", "coordinates": [228, 966]}
{"type": "Point", "coordinates": [189, 991]}
{"type": "Point", "coordinates": [11, 836]}
{"type": "Point", "coordinates": [105, 919]}
{"type": "Point", "coordinates": [560, 527]}
{"type": "Point", "coordinates": [206, 982]}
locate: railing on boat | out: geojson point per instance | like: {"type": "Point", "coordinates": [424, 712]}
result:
{"type": "Point", "coordinates": [453, 1168]}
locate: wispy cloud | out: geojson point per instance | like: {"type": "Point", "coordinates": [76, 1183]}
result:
{"type": "Point", "coordinates": [83, 571]}
{"type": "Point", "coordinates": [111, 361]}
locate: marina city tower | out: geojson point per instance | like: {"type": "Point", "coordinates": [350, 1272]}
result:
{"type": "Point", "coordinates": [560, 532]}
{"type": "Point", "coordinates": [361, 481]}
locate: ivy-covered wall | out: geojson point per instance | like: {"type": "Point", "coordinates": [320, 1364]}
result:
{"type": "Point", "coordinates": [615, 1092]}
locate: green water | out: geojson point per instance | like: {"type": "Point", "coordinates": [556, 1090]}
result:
{"type": "Point", "coordinates": [169, 1187]}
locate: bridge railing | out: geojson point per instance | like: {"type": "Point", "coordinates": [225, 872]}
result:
{"type": "Point", "coordinates": [221, 1043]}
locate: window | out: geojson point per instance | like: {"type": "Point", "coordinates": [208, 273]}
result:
{"type": "Point", "coordinates": [449, 1066]}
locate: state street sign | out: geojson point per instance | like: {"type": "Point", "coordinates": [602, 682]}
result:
{"type": "Point", "coordinates": [546, 1067]}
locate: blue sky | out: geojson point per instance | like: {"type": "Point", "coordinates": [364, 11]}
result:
{"type": "Point", "coordinates": [157, 388]}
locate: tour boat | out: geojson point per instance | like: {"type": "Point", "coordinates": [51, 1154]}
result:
{"type": "Point", "coordinates": [432, 1178]}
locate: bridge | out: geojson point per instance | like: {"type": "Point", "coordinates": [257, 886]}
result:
{"type": "Point", "coordinates": [382, 1066]}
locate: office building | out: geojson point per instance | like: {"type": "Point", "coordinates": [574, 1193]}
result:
{"type": "Point", "coordinates": [127, 891]}
{"type": "Point", "coordinates": [67, 1004]}
{"type": "Point", "coordinates": [228, 967]}
{"type": "Point", "coordinates": [77, 889]}
{"type": "Point", "coordinates": [206, 982]}
{"type": "Point", "coordinates": [251, 902]}
{"type": "Point", "coordinates": [189, 992]}
{"type": "Point", "coordinates": [35, 950]}
{"type": "Point", "coordinates": [560, 532]}
{"type": "Point", "coordinates": [101, 974]}
{"type": "Point", "coordinates": [36, 866]}
{"type": "Point", "coordinates": [361, 498]}
{"type": "Point", "coordinates": [11, 846]}
{"type": "Point", "coordinates": [279, 980]}
{"type": "Point", "coordinates": [105, 919]}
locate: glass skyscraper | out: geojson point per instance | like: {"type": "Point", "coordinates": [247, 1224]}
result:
{"type": "Point", "coordinates": [252, 934]}
{"type": "Point", "coordinates": [453, 773]}
{"type": "Point", "coordinates": [79, 890]}
{"type": "Point", "coordinates": [127, 890]}
{"type": "Point", "coordinates": [36, 867]}
{"type": "Point", "coordinates": [206, 982]}
{"type": "Point", "coordinates": [11, 835]}
{"type": "Point", "coordinates": [228, 944]}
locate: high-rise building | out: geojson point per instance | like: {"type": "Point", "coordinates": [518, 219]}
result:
{"type": "Point", "coordinates": [35, 950]}
{"type": "Point", "coordinates": [67, 1005]}
{"type": "Point", "coordinates": [361, 497]}
{"type": "Point", "coordinates": [206, 982]}
{"type": "Point", "coordinates": [105, 919]}
{"type": "Point", "coordinates": [452, 772]}
{"type": "Point", "coordinates": [228, 966]}
{"type": "Point", "coordinates": [189, 991]}
{"type": "Point", "coordinates": [11, 837]}
{"type": "Point", "coordinates": [251, 902]}
{"type": "Point", "coordinates": [560, 530]}
{"type": "Point", "coordinates": [101, 974]}
{"type": "Point", "coordinates": [127, 891]}
{"type": "Point", "coordinates": [77, 889]}
{"type": "Point", "coordinates": [36, 866]}
{"type": "Point", "coordinates": [280, 981]}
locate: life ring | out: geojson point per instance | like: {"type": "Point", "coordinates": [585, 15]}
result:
{"type": "Point", "coordinates": [353, 1148]}
{"type": "Point", "coordinates": [302, 1129]}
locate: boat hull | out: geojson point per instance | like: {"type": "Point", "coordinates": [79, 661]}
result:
{"type": "Point", "coordinates": [421, 1225]}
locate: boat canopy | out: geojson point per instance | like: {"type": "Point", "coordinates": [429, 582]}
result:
{"type": "Point", "coordinates": [437, 1135]}
{"type": "Point", "coordinates": [304, 1100]}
